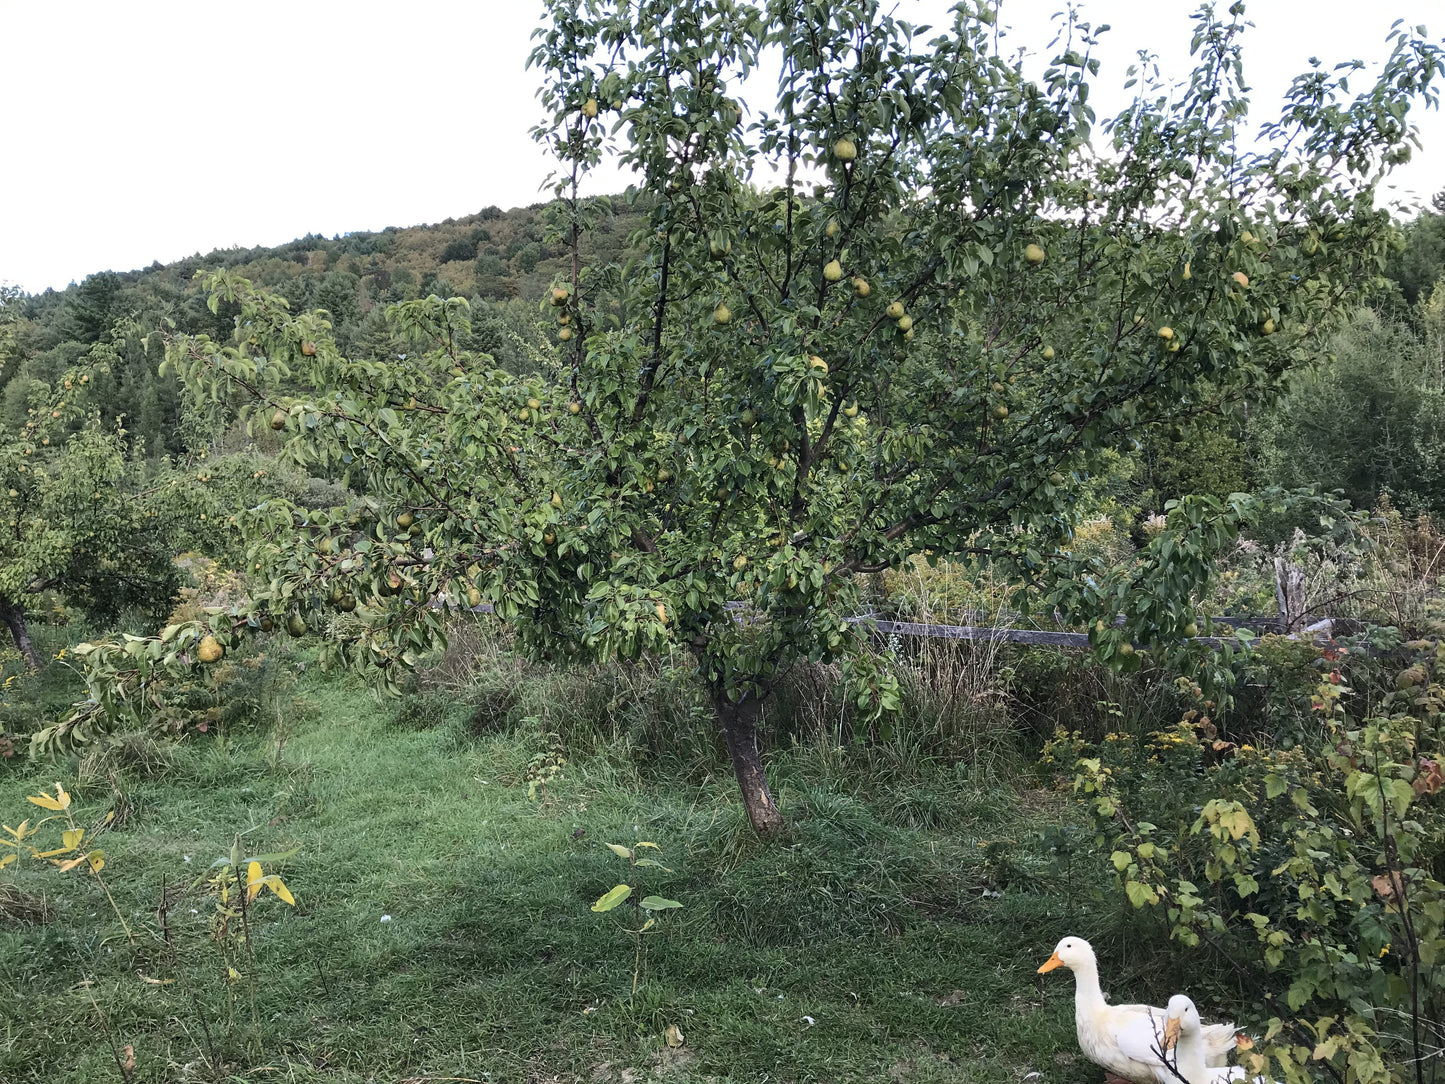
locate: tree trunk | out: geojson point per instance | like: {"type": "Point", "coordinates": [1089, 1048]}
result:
{"type": "Point", "coordinates": [739, 726]}
{"type": "Point", "coordinates": [14, 616]}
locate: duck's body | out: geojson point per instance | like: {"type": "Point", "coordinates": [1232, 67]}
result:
{"type": "Point", "coordinates": [1125, 1039]}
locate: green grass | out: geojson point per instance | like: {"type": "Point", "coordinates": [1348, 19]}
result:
{"type": "Point", "coordinates": [864, 946]}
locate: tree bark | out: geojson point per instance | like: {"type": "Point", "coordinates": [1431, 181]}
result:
{"type": "Point", "coordinates": [13, 615]}
{"type": "Point", "coordinates": [739, 722]}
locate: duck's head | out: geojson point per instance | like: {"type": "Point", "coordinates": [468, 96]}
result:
{"type": "Point", "coordinates": [1181, 1017]}
{"type": "Point", "coordinates": [1071, 952]}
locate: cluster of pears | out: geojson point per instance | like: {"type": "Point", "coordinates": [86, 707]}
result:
{"type": "Point", "coordinates": [560, 297]}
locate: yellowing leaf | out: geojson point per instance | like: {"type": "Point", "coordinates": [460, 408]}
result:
{"type": "Point", "coordinates": [97, 860]}
{"type": "Point", "coordinates": [8, 859]}
{"type": "Point", "coordinates": [66, 867]}
{"type": "Point", "coordinates": [672, 1035]}
{"type": "Point", "coordinates": [44, 801]}
{"type": "Point", "coordinates": [618, 849]}
{"type": "Point", "coordinates": [72, 838]}
{"type": "Point", "coordinates": [254, 881]}
{"type": "Point", "coordinates": [276, 885]}
{"type": "Point", "coordinates": [18, 833]}
{"type": "Point", "coordinates": [233, 975]}
{"type": "Point", "coordinates": [612, 898]}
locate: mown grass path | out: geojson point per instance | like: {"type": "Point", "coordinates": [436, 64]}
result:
{"type": "Point", "coordinates": [443, 929]}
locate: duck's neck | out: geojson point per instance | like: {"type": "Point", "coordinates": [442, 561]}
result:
{"type": "Point", "coordinates": [1088, 997]}
{"type": "Point", "coordinates": [1189, 1057]}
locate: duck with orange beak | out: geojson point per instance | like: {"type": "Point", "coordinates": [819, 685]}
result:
{"type": "Point", "coordinates": [1125, 1039]}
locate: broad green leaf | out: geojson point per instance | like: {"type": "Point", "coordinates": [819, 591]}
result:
{"type": "Point", "coordinates": [612, 898]}
{"type": "Point", "coordinates": [658, 903]}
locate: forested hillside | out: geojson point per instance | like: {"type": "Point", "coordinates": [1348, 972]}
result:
{"type": "Point", "coordinates": [500, 260]}
{"type": "Point", "coordinates": [1385, 380]}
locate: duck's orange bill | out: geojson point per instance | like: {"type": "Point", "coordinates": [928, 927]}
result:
{"type": "Point", "coordinates": [1171, 1032]}
{"type": "Point", "coordinates": [1051, 963]}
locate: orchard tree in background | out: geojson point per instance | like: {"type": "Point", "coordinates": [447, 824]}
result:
{"type": "Point", "coordinates": [906, 305]}
{"type": "Point", "coordinates": [82, 521]}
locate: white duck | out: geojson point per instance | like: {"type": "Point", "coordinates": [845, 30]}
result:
{"type": "Point", "coordinates": [1184, 1035]}
{"type": "Point", "coordinates": [1125, 1039]}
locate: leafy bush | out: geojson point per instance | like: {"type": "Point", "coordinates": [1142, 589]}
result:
{"type": "Point", "coordinates": [1314, 873]}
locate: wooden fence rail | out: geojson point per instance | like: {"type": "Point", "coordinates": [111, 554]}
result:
{"type": "Point", "coordinates": [1320, 632]}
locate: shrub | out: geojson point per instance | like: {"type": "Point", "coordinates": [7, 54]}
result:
{"type": "Point", "coordinates": [1314, 873]}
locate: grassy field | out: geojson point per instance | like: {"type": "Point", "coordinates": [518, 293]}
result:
{"type": "Point", "coordinates": [442, 927]}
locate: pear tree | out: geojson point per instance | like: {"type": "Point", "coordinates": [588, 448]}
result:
{"type": "Point", "coordinates": [900, 299]}
{"type": "Point", "coordinates": [84, 520]}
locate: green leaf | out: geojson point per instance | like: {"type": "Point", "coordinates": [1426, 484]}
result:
{"type": "Point", "coordinates": [658, 903]}
{"type": "Point", "coordinates": [1140, 894]}
{"type": "Point", "coordinates": [612, 898]}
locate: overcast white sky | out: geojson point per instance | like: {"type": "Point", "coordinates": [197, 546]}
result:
{"type": "Point", "coordinates": [159, 128]}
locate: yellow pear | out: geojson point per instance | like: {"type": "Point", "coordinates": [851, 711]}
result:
{"type": "Point", "coordinates": [894, 310]}
{"type": "Point", "coordinates": [210, 651]}
{"type": "Point", "coordinates": [1034, 254]}
{"type": "Point", "coordinates": [845, 150]}
{"type": "Point", "coordinates": [832, 271]}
